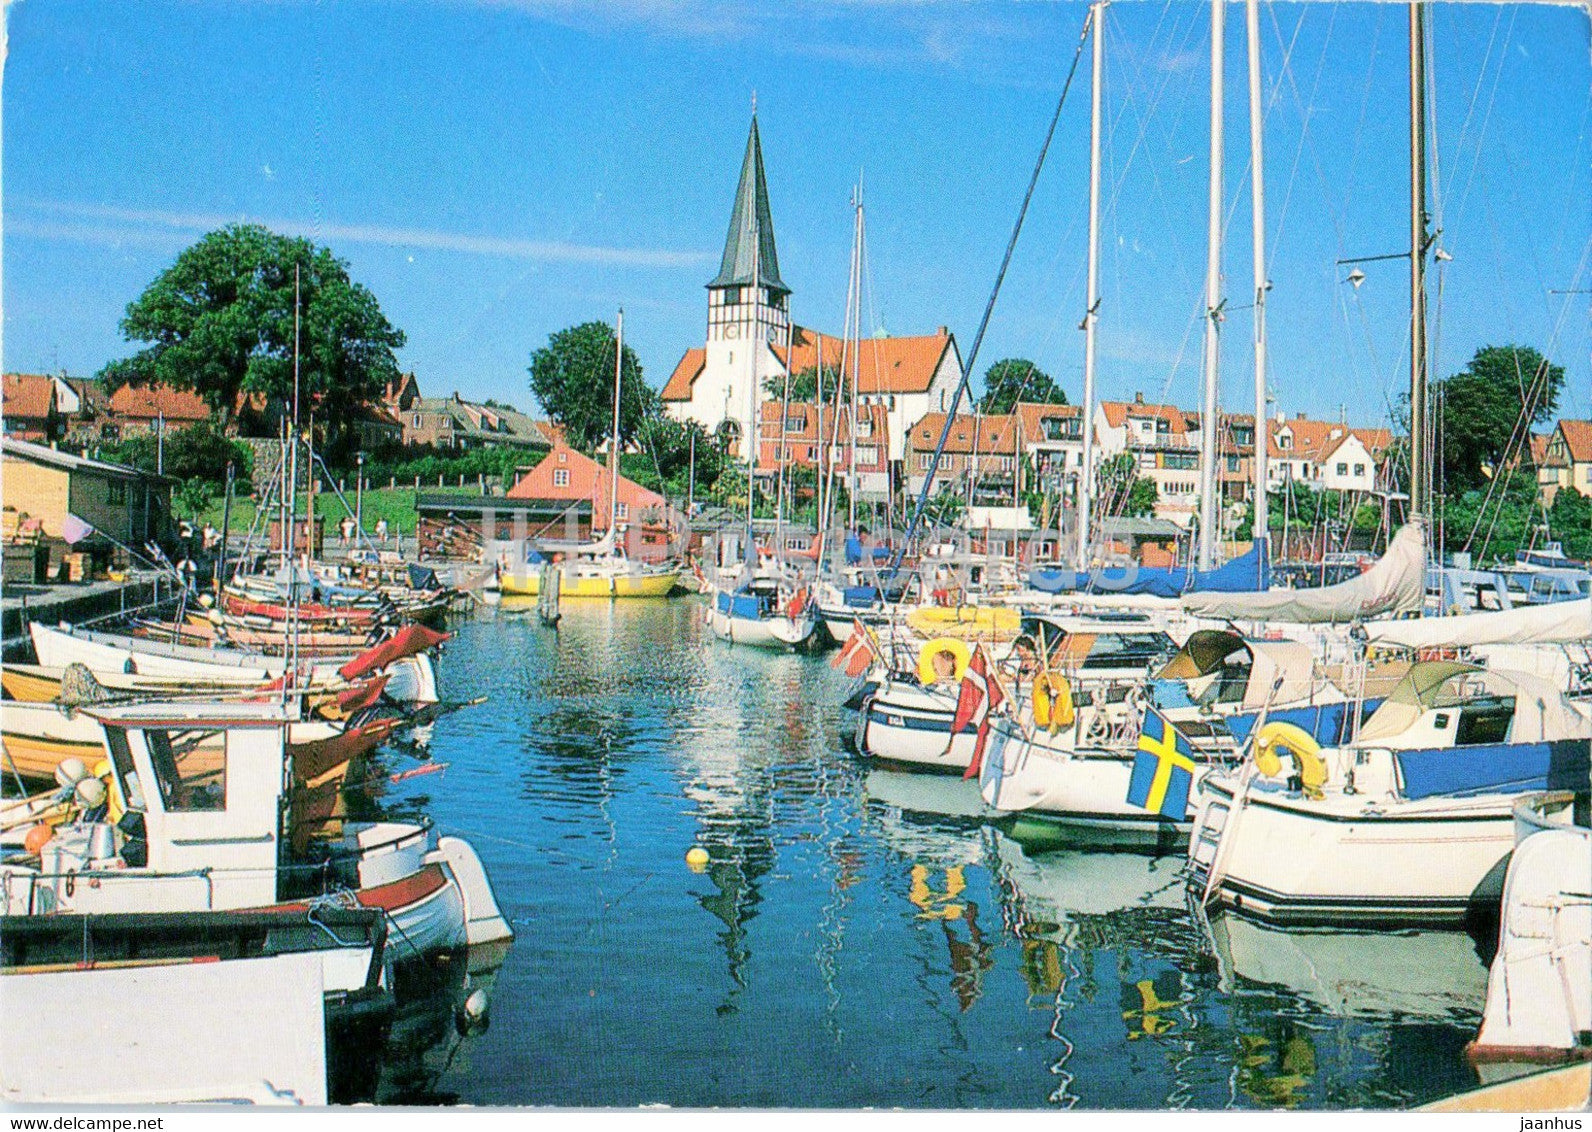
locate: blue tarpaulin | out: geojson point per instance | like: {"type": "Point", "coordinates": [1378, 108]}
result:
{"type": "Point", "coordinates": [1502, 768]}
{"type": "Point", "coordinates": [1242, 574]}
{"type": "Point", "coordinates": [861, 597]}
{"type": "Point", "coordinates": [749, 606]}
{"type": "Point", "coordinates": [1328, 724]}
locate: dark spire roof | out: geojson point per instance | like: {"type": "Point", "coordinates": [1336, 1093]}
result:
{"type": "Point", "coordinates": [750, 220]}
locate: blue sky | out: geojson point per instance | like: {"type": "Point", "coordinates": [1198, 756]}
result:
{"type": "Point", "coordinates": [496, 170]}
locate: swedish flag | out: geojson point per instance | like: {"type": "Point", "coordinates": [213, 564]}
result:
{"type": "Point", "coordinates": [1163, 770]}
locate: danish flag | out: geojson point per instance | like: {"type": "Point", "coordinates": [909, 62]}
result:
{"type": "Point", "coordinates": [856, 656]}
{"type": "Point", "coordinates": [979, 696]}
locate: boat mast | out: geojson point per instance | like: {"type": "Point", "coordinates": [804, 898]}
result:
{"type": "Point", "coordinates": [1420, 486]}
{"type": "Point", "coordinates": [1209, 534]}
{"type": "Point", "coordinates": [1257, 200]}
{"type": "Point", "coordinates": [1092, 310]}
{"type": "Point", "coordinates": [855, 299]}
{"type": "Point", "coordinates": [613, 438]}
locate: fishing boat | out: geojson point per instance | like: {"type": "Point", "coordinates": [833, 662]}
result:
{"type": "Point", "coordinates": [198, 798]}
{"type": "Point", "coordinates": [1429, 781]}
{"type": "Point", "coordinates": [1539, 991]}
{"type": "Point", "coordinates": [311, 986]}
{"type": "Point", "coordinates": [404, 657]}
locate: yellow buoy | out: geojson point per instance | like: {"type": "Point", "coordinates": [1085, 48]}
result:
{"type": "Point", "coordinates": [697, 858]}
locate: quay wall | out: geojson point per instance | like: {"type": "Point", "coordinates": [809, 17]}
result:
{"type": "Point", "coordinates": [77, 605]}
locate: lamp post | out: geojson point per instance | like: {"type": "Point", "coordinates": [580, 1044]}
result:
{"type": "Point", "coordinates": [359, 494]}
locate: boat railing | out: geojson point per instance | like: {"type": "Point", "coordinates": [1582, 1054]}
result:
{"type": "Point", "coordinates": [1552, 809]}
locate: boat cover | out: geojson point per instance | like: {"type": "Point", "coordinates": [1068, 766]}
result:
{"type": "Point", "coordinates": [1542, 713]}
{"type": "Point", "coordinates": [1394, 584]}
{"type": "Point", "coordinates": [1330, 725]}
{"type": "Point", "coordinates": [408, 641]}
{"type": "Point", "coordinates": [1247, 572]}
{"type": "Point", "coordinates": [1565, 622]}
{"type": "Point", "coordinates": [1501, 768]}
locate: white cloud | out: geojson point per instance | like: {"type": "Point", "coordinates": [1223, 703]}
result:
{"type": "Point", "coordinates": [114, 225]}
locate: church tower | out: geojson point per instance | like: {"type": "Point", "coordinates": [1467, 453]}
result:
{"type": "Point", "coordinates": [748, 302]}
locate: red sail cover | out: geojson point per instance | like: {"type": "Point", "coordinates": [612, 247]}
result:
{"type": "Point", "coordinates": [408, 641]}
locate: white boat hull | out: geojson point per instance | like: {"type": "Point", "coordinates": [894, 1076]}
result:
{"type": "Point", "coordinates": [1424, 863]}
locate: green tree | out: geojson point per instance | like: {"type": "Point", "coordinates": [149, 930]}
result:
{"type": "Point", "coordinates": [199, 452]}
{"type": "Point", "coordinates": [1493, 524]}
{"type": "Point", "coordinates": [1122, 490]}
{"type": "Point", "coordinates": [1018, 379]}
{"type": "Point", "coordinates": [1485, 411]}
{"type": "Point", "coordinates": [804, 385]}
{"type": "Point", "coordinates": [1570, 521]}
{"type": "Point", "coordinates": [220, 322]}
{"type": "Point", "coordinates": [947, 506]}
{"type": "Point", "coordinates": [573, 379]}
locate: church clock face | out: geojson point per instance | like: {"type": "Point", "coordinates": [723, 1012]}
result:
{"type": "Point", "coordinates": [773, 334]}
{"type": "Point", "coordinates": [732, 331]}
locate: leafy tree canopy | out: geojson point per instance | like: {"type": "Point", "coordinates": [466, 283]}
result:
{"type": "Point", "coordinates": [1570, 520]}
{"type": "Point", "coordinates": [1496, 398]}
{"type": "Point", "coordinates": [1018, 379]}
{"type": "Point", "coordinates": [1122, 490]}
{"type": "Point", "coordinates": [804, 385]}
{"type": "Point", "coordinates": [198, 452]}
{"type": "Point", "coordinates": [219, 322]}
{"type": "Point", "coordinates": [573, 379]}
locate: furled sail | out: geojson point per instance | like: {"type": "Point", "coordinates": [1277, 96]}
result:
{"type": "Point", "coordinates": [1558, 623]}
{"type": "Point", "coordinates": [1396, 583]}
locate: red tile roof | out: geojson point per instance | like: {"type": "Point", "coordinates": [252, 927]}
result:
{"type": "Point", "coordinates": [883, 365]}
{"type": "Point", "coordinates": [28, 396]}
{"type": "Point", "coordinates": [1317, 440]}
{"type": "Point", "coordinates": [994, 435]}
{"type": "Point", "coordinates": [147, 402]}
{"type": "Point", "coordinates": [1177, 420]}
{"type": "Point", "coordinates": [1578, 439]}
{"type": "Point", "coordinates": [678, 387]}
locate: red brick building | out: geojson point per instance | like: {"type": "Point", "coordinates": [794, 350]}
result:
{"type": "Point", "coordinates": [567, 477]}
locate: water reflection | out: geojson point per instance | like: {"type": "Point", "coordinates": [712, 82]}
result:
{"type": "Point", "coordinates": [857, 936]}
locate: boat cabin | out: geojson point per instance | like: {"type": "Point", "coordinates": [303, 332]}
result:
{"type": "Point", "coordinates": [192, 821]}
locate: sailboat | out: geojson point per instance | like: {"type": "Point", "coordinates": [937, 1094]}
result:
{"type": "Point", "coordinates": [1430, 780]}
{"type": "Point", "coordinates": [600, 568]}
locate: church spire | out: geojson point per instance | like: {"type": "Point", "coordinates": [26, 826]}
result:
{"type": "Point", "coordinates": [751, 220]}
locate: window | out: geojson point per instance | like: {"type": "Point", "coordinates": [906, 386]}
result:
{"type": "Point", "coordinates": [1359, 469]}
{"type": "Point", "coordinates": [622, 510]}
{"type": "Point", "coordinates": [1232, 463]}
{"type": "Point", "coordinates": [418, 419]}
{"type": "Point", "coordinates": [116, 491]}
{"type": "Point", "coordinates": [1182, 461]}
{"type": "Point", "coordinates": [923, 460]}
{"type": "Point", "coordinates": [868, 454]}
{"type": "Point", "coordinates": [560, 477]}
{"type": "Point", "coordinates": [1343, 469]}
{"type": "Point", "coordinates": [865, 428]}
{"type": "Point", "coordinates": [190, 769]}
{"type": "Point", "coordinates": [1284, 441]}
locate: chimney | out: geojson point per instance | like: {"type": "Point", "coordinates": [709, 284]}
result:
{"type": "Point", "coordinates": [1138, 398]}
{"type": "Point", "coordinates": [943, 331]}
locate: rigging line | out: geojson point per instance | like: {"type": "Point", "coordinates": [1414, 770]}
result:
{"type": "Point", "coordinates": [1120, 178]}
{"type": "Point", "coordinates": [1476, 163]}
{"type": "Point", "coordinates": [989, 307]}
{"type": "Point", "coordinates": [1274, 99]}
{"type": "Point", "coordinates": [1475, 94]}
{"type": "Point", "coordinates": [1287, 72]}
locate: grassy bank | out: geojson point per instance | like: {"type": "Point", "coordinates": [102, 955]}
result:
{"type": "Point", "coordinates": [396, 505]}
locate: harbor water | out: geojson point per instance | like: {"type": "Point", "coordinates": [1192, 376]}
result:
{"type": "Point", "coordinates": [858, 937]}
